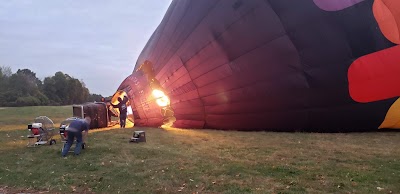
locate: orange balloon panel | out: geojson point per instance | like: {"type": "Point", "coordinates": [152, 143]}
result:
{"type": "Point", "coordinates": [375, 76]}
{"type": "Point", "coordinates": [387, 14]}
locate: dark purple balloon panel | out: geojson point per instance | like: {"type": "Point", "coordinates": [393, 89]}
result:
{"type": "Point", "coordinates": [263, 64]}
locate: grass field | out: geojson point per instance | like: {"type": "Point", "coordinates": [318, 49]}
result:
{"type": "Point", "coordinates": [197, 161]}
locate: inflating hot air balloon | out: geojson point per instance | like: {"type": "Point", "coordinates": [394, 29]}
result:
{"type": "Point", "coordinates": [313, 65]}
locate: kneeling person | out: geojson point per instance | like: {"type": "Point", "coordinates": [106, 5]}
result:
{"type": "Point", "coordinates": [75, 129]}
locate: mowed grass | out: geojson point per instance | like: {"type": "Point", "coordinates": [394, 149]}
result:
{"type": "Point", "coordinates": [197, 161]}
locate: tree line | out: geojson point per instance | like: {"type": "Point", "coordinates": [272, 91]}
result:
{"type": "Point", "coordinates": [23, 88]}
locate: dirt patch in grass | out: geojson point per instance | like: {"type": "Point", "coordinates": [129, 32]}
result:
{"type": "Point", "coordinates": [8, 190]}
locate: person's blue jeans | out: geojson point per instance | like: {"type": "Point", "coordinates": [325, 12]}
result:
{"type": "Point", "coordinates": [70, 141]}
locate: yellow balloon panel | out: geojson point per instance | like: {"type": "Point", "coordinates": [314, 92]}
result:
{"type": "Point", "coordinates": [392, 119]}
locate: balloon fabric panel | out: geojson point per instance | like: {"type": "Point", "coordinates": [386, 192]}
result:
{"type": "Point", "coordinates": [336, 5]}
{"type": "Point", "coordinates": [387, 14]}
{"type": "Point", "coordinates": [376, 76]}
{"type": "Point", "coordinates": [263, 65]}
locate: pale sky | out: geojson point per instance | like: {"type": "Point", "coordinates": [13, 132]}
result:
{"type": "Point", "coordinates": [97, 41]}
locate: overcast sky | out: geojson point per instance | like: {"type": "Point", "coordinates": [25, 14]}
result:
{"type": "Point", "coordinates": [97, 41]}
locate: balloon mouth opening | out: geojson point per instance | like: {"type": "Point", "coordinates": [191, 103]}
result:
{"type": "Point", "coordinates": [130, 120]}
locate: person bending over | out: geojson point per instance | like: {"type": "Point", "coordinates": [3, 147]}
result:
{"type": "Point", "coordinates": [75, 129]}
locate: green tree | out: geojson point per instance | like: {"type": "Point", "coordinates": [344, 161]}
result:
{"type": "Point", "coordinates": [95, 97]}
{"type": "Point", "coordinates": [25, 81]}
{"type": "Point", "coordinates": [6, 71]}
{"type": "Point", "coordinates": [84, 93]}
{"type": "Point", "coordinates": [27, 101]}
{"type": "Point", "coordinates": [61, 85]}
{"type": "Point", "coordinates": [49, 89]}
{"type": "Point", "coordinates": [27, 90]}
{"type": "Point", "coordinates": [64, 89]}
{"type": "Point", "coordinates": [24, 90]}
{"type": "Point", "coordinates": [3, 86]}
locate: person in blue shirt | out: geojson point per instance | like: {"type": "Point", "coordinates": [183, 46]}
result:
{"type": "Point", "coordinates": [75, 129]}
